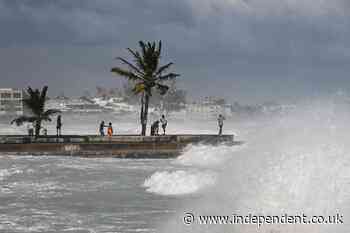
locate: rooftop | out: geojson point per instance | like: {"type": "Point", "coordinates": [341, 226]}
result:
{"type": "Point", "coordinates": [8, 89]}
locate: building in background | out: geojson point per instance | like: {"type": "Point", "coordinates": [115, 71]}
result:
{"type": "Point", "coordinates": [82, 105]}
{"type": "Point", "coordinates": [11, 101]}
{"type": "Point", "coordinates": [208, 108]}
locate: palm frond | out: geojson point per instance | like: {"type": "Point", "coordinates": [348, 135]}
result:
{"type": "Point", "coordinates": [162, 88]}
{"type": "Point", "coordinates": [134, 53]}
{"type": "Point", "coordinates": [51, 112]}
{"type": "Point", "coordinates": [143, 48]}
{"type": "Point", "coordinates": [46, 116]}
{"type": "Point", "coordinates": [139, 88]}
{"type": "Point", "coordinates": [131, 66]}
{"type": "Point", "coordinates": [36, 100]}
{"type": "Point", "coordinates": [168, 77]}
{"type": "Point", "coordinates": [30, 91]}
{"type": "Point", "coordinates": [22, 119]}
{"type": "Point", "coordinates": [146, 69]}
{"type": "Point", "coordinates": [42, 99]}
{"type": "Point", "coordinates": [138, 59]}
{"type": "Point", "coordinates": [150, 57]}
{"type": "Point", "coordinates": [160, 47]}
{"type": "Point", "coordinates": [43, 93]}
{"type": "Point", "coordinates": [164, 68]}
{"type": "Point", "coordinates": [126, 74]}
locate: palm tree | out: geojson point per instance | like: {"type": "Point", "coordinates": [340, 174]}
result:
{"type": "Point", "coordinates": [36, 104]}
{"type": "Point", "coordinates": [147, 74]}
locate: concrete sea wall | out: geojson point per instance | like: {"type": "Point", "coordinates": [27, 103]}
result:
{"type": "Point", "coordinates": [124, 146]}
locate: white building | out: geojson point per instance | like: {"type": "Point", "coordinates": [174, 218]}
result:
{"type": "Point", "coordinates": [116, 105]}
{"type": "Point", "coordinates": [11, 101]}
{"type": "Point", "coordinates": [74, 105]}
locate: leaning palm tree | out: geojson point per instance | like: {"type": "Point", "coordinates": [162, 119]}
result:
{"type": "Point", "coordinates": [35, 102]}
{"type": "Point", "coordinates": [147, 74]}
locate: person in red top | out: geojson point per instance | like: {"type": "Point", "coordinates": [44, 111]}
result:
{"type": "Point", "coordinates": [110, 130]}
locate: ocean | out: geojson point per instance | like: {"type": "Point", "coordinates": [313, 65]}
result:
{"type": "Point", "coordinates": [292, 163]}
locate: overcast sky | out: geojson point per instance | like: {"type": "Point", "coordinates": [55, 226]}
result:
{"type": "Point", "coordinates": [245, 50]}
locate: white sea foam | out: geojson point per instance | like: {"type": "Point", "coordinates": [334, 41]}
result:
{"type": "Point", "coordinates": [206, 155]}
{"type": "Point", "coordinates": [179, 182]}
{"type": "Point", "coordinates": [297, 163]}
{"type": "Point", "coordinates": [201, 163]}
{"type": "Point", "coordinates": [5, 173]}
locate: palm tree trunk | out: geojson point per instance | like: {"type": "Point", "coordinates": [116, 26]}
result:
{"type": "Point", "coordinates": [37, 128]}
{"type": "Point", "coordinates": [144, 115]}
{"type": "Point", "coordinates": [143, 131]}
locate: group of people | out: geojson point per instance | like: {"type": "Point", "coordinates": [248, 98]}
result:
{"type": "Point", "coordinates": [31, 126]}
{"type": "Point", "coordinates": [30, 129]}
{"type": "Point", "coordinates": [109, 129]}
{"type": "Point", "coordinates": [155, 126]}
{"type": "Point", "coordinates": [164, 123]}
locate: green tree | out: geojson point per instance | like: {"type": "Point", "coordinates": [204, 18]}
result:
{"type": "Point", "coordinates": [147, 73]}
{"type": "Point", "coordinates": [35, 102]}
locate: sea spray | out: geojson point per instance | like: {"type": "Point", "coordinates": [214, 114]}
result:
{"type": "Point", "coordinates": [179, 182]}
{"type": "Point", "coordinates": [296, 163]}
{"type": "Point", "coordinates": [200, 163]}
{"type": "Point", "coordinates": [206, 155]}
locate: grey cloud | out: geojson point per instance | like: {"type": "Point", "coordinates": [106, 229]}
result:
{"type": "Point", "coordinates": [81, 22]}
{"type": "Point", "coordinates": [235, 41]}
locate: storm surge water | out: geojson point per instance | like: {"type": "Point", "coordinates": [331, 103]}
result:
{"type": "Point", "coordinates": [195, 171]}
{"type": "Point", "coordinates": [295, 163]}
{"type": "Point", "coordinates": [178, 182]}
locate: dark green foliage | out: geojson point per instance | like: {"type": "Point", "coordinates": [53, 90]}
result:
{"type": "Point", "coordinates": [35, 102]}
{"type": "Point", "coordinates": [147, 74]}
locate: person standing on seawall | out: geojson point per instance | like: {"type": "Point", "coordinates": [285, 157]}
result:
{"type": "Point", "coordinates": [110, 130]}
{"type": "Point", "coordinates": [164, 123]}
{"type": "Point", "coordinates": [155, 128]}
{"type": "Point", "coordinates": [102, 128]}
{"type": "Point", "coordinates": [221, 119]}
{"type": "Point", "coordinates": [59, 125]}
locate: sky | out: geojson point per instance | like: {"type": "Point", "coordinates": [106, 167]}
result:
{"type": "Point", "coordinates": [250, 51]}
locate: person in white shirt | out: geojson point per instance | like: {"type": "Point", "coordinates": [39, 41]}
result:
{"type": "Point", "coordinates": [221, 119]}
{"type": "Point", "coordinates": [164, 123]}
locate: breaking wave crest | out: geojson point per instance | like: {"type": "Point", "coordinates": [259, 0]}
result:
{"type": "Point", "coordinates": [199, 165]}
{"type": "Point", "coordinates": [295, 163]}
{"type": "Point", "coordinates": [179, 182]}
{"type": "Point", "coordinates": [206, 155]}
{"type": "Point", "coordinates": [5, 173]}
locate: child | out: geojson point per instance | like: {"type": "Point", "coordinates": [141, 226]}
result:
{"type": "Point", "coordinates": [110, 130]}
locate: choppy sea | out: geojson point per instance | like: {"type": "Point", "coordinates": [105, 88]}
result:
{"type": "Point", "coordinates": [291, 163]}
